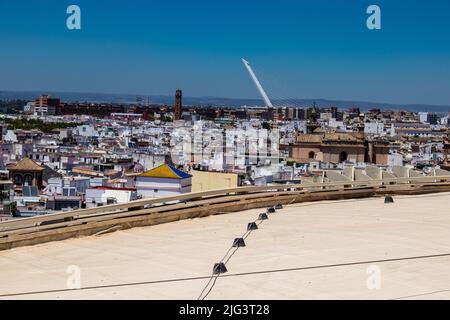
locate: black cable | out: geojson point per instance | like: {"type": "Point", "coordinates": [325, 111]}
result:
{"type": "Point", "coordinates": [231, 248]}
{"type": "Point", "coordinates": [421, 294]}
{"type": "Point", "coordinates": [235, 249]}
{"type": "Point", "coordinates": [212, 275]}
{"type": "Point", "coordinates": [212, 286]}
{"type": "Point", "coordinates": [244, 236]}
{"type": "Point", "coordinates": [104, 286]}
{"type": "Point", "coordinates": [345, 264]}
{"type": "Point", "coordinates": [204, 288]}
{"type": "Point", "coordinates": [337, 265]}
{"type": "Point", "coordinates": [233, 274]}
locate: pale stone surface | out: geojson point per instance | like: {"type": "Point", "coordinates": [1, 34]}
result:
{"type": "Point", "coordinates": [301, 235]}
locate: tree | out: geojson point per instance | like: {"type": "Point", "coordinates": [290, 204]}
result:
{"type": "Point", "coordinates": [266, 125]}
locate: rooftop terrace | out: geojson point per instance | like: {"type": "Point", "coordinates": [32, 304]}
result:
{"type": "Point", "coordinates": [321, 250]}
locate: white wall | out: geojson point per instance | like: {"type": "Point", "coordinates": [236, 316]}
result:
{"type": "Point", "coordinates": [395, 159]}
{"type": "Point", "coordinates": [56, 184]}
{"type": "Point", "coordinates": [86, 131]}
{"type": "Point", "coordinates": [161, 187]}
{"type": "Point", "coordinates": [374, 128]}
{"type": "Point", "coordinates": [423, 117]}
{"type": "Point", "coordinates": [94, 197]}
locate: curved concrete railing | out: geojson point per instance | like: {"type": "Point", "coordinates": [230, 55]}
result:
{"type": "Point", "coordinates": [63, 225]}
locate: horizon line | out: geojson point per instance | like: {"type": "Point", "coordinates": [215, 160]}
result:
{"type": "Point", "coordinates": [225, 98]}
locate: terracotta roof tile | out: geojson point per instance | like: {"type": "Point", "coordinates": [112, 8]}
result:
{"type": "Point", "coordinates": [27, 164]}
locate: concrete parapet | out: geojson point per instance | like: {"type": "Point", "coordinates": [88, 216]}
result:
{"type": "Point", "coordinates": [335, 176]}
{"type": "Point", "coordinates": [361, 175]}
{"type": "Point", "coordinates": [374, 172]}
{"type": "Point", "coordinates": [400, 171]}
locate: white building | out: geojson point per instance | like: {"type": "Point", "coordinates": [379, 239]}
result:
{"type": "Point", "coordinates": [149, 161]}
{"type": "Point", "coordinates": [395, 159]}
{"type": "Point", "coordinates": [69, 186]}
{"type": "Point", "coordinates": [29, 107]}
{"type": "Point", "coordinates": [101, 196]}
{"type": "Point", "coordinates": [334, 124]}
{"type": "Point", "coordinates": [423, 117]}
{"type": "Point", "coordinates": [376, 128]}
{"type": "Point", "coordinates": [10, 136]}
{"type": "Point", "coordinates": [98, 181]}
{"type": "Point", "coordinates": [161, 181]}
{"type": "Point", "coordinates": [86, 131]}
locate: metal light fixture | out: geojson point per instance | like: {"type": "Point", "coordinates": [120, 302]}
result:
{"type": "Point", "coordinates": [252, 226]}
{"type": "Point", "coordinates": [219, 268]}
{"type": "Point", "coordinates": [238, 242]}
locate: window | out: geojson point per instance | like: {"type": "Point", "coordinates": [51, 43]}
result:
{"type": "Point", "coordinates": [343, 156]}
{"type": "Point", "coordinates": [311, 155]}
{"type": "Point", "coordinates": [17, 179]}
{"type": "Point", "coordinates": [69, 191]}
{"type": "Point", "coordinates": [111, 201]}
{"type": "Point", "coordinates": [28, 179]}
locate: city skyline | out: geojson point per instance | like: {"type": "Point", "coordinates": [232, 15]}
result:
{"type": "Point", "coordinates": [294, 149]}
{"type": "Point", "coordinates": [133, 99]}
{"type": "Point", "coordinates": [298, 50]}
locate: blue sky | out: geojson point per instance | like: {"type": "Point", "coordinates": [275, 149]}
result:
{"type": "Point", "coordinates": [302, 49]}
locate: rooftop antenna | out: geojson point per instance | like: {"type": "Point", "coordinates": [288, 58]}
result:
{"type": "Point", "coordinates": [257, 84]}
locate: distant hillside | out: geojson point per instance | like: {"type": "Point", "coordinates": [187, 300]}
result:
{"type": "Point", "coordinates": [215, 101]}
